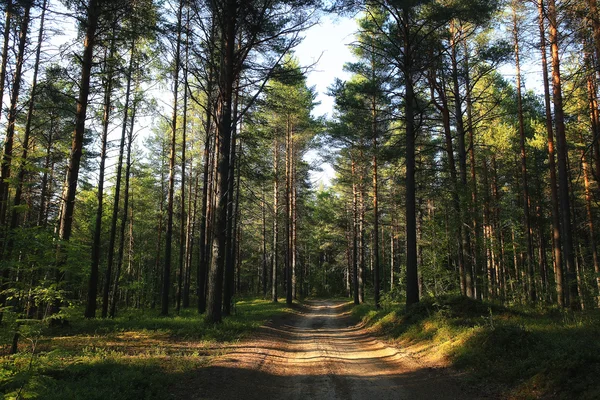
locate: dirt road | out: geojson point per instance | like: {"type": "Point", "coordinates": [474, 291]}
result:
{"type": "Point", "coordinates": [318, 353]}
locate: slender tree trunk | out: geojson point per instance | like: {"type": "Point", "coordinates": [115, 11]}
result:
{"type": "Point", "coordinates": [595, 19]}
{"type": "Point", "coordinates": [90, 310]}
{"type": "Point", "coordinates": [563, 177]}
{"type": "Point", "coordinates": [229, 287]}
{"type": "Point", "coordinates": [115, 214]}
{"type": "Point", "coordinates": [66, 221]}
{"type": "Point", "coordinates": [156, 287]}
{"type": "Point", "coordinates": [125, 192]}
{"type": "Point", "coordinates": [478, 260]}
{"type": "Point", "coordinates": [531, 292]}
{"type": "Point", "coordinates": [42, 216]}
{"type": "Point", "coordinates": [275, 260]}
{"type": "Point", "coordinates": [590, 221]}
{"type": "Point", "coordinates": [7, 155]}
{"type": "Point", "coordinates": [355, 234]}
{"type": "Point", "coordinates": [191, 228]}
{"type": "Point", "coordinates": [445, 111]}
{"type": "Point", "coordinates": [28, 121]}
{"type": "Point", "coordinates": [462, 162]}
{"type": "Point", "coordinates": [170, 197]}
{"type": "Point", "coordinates": [288, 207]}
{"type": "Point", "coordinates": [202, 269]}
{"type": "Point", "coordinates": [6, 42]}
{"type": "Point", "coordinates": [556, 234]}
{"type": "Point", "coordinates": [376, 263]}
{"type": "Point", "coordinates": [412, 278]}
{"type": "Point", "coordinates": [264, 244]}
{"type": "Point", "coordinates": [361, 232]}
{"type": "Point", "coordinates": [182, 225]}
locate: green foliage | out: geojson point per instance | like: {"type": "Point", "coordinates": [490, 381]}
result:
{"type": "Point", "coordinates": [531, 354]}
{"type": "Point", "coordinates": [134, 356]}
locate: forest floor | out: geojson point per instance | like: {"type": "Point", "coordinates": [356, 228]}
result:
{"type": "Point", "coordinates": [517, 352]}
{"type": "Point", "coordinates": [441, 348]}
{"type": "Point", "coordinates": [319, 352]}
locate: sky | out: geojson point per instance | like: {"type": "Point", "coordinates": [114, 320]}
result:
{"type": "Point", "coordinates": [325, 44]}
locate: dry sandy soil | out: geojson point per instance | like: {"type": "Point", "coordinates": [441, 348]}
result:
{"type": "Point", "coordinates": [319, 353]}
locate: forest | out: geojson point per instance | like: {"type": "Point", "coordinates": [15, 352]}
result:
{"type": "Point", "coordinates": [158, 158]}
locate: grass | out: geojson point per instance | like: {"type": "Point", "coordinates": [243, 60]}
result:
{"type": "Point", "coordinates": [525, 354]}
{"type": "Point", "coordinates": [137, 355]}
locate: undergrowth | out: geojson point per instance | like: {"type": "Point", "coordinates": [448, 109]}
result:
{"type": "Point", "coordinates": [137, 355]}
{"type": "Point", "coordinates": [527, 353]}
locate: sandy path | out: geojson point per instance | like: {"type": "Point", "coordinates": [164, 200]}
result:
{"type": "Point", "coordinates": [319, 354]}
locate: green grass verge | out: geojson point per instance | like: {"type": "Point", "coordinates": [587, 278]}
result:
{"type": "Point", "coordinates": [137, 355]}
{"type": "Point", "coordinates": [528, 353]}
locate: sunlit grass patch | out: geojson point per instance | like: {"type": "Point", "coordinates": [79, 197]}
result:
{"type": "Point", "coordinates": [530, 353]}
{"type": "Point", "coordinates": [137, 355]}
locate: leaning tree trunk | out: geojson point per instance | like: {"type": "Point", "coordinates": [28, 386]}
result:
{"type": "Point", "coordinates": [66, 221]}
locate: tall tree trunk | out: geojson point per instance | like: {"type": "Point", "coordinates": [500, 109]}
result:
{"type": "Point", "coordinates": [90, 308]}
{"type": "Point", "coordinates": [462, 162]}
{"type": "Point", "coordinates": [202, 269]}
{"type": "Point", "coordinates": [229, 287]}
{"type": "Point", "coordinates": [130, 138]}
{"type": "Point", "coordinates": [590, 221]}
{"type": "Point", "coordinates": [66, 221]}
{"type": "Point", "coordinates": [264, 275]}
{"type": "Point", "coordinates": [5, 45]}
{"type": "Point", "coordinates": [182, 224]}
{"type": "Point", "coordinates": [275, 260]}
{"type": "Point", "coordinates": [219, 242]}
{"type": "Point", "coordinates": [156, 286]}
{"type": "Point", "coordinates": [443, 107]}
{"type": "Point", "coordinates": [7, 155]}
{"type": "Point", "coordinates": [531, 293]}
{"type": "Point", "coordinates": [170, 197]}
{"type": "Point", "coordinates": [556, 234]}
{"type": "Point", "coordinates": [478, 260]}
{"type": "Point", "coordinates": [115, 213]}
{"type": "Point", "coordinates": [563, 177]}
{"type": "Point", "coordinates": [412, 278]}
{"type": "Point", "coordinates": [28, 121]}
{"type": "Point", "coordinates": [361, 231]}
{"type": "Point", "coordinates": [377, 267]}
{"type": "Point", "coordinates": [595, 18]}
{"type": "Point", "coordinates": [191, 228]}
{"type": "Point", "coordinates": [289, 151]}
{"type": "Point", "coordinates": [47, 174]}
{"type": "Point", "coordinates": [355, 234]}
